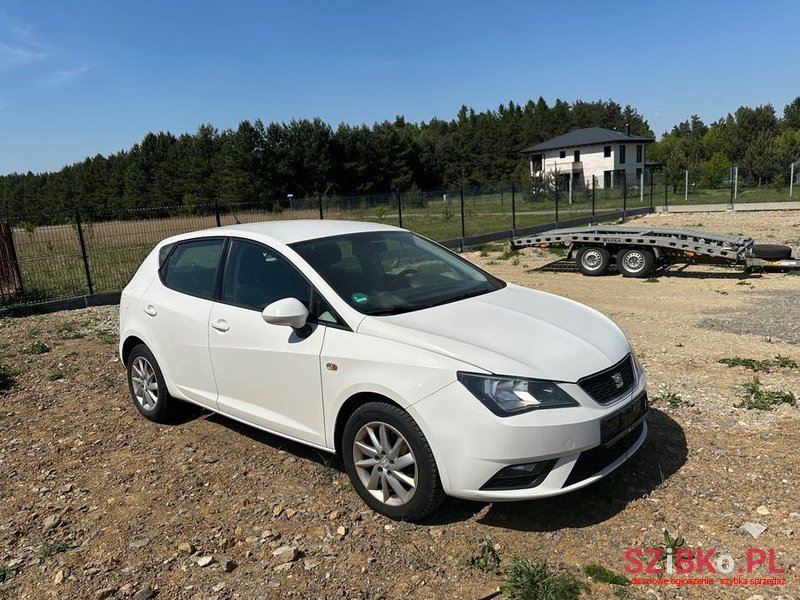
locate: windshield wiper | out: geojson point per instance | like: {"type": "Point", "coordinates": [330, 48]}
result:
{"type": "Point", "coordinates": [396, 310]}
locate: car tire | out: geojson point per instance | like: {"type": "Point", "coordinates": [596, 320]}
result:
{"type": "Point", "coordinates": [593, 260]}
{"type": "Point", "coordinates": [636, 262]}
{"type": "Point", "coordinates": [771, 251]}
{"type": "Point", "coordinates": [376, 438]}
{"type": "Point", "coordinates": [147, 386]}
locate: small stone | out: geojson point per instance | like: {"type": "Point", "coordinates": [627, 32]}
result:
{"type": "Point", "coordinates": [144, 593]}
{"type": "Point", "coordinates": [65, 489]}
{"type": "Point", "coordinates": [139, 543]}
{"type": "Point", "coordinates": [219, 587]}
{"type": "Point", "coordinates": [794, 516]}
{"type": "Point", "coordinates": [310, 564]}
{"type": "Point", "coordinates": [204, 561]}
{"type": "Point", "coordinates": [104, 593]}
{"type": "Point", "coordinates": [290, 512]}
{"type": "Point", "coordinates": [388, 527]}
{"type": "Point", "coordinates": [51, 521]}
{"type": "Point", "coordinates": [228, 565]}
{"type": "Point", "coordinates": [186, 548]}
{"type": "Point", "coordinates": [59, 577]}
{"type": "Point", "coordinates": [341, 530]}
{"type": "Point", "coordinates": [762, 510]}
{"type": "Point", "coordinates": [210, 460]}
{"type": "Point", "coordinates": [273, 584]}
{"type": "Point", "coordinates": [334, 514]}
{"type": "Point", "coordinates": [251, 539]}
{"type": "Point", "coordinates": [286, 554]}
{"type": "Point", "coordinates": [284, 567]}
{"type": "Point", "coordinates": [125, 590]}
{"type": "Point", "coordinates": [753, 529]}
{"type": "Point", "coordinates": [756, 597]}
{"type": "Point", "coordinates": [276, 512]}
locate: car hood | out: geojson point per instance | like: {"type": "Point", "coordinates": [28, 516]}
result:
{"type": "Point", "coordinates": [512, 331]}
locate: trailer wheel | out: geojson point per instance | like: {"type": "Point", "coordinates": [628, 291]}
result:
{"type": "Point", "coordinates": [635, 262]}
{"type": "Point", "coordinates": [771, 251]}
{"type": "Point", "coordinates": [593, 260]}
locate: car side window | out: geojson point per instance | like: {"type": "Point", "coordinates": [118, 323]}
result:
{"type": "Point", "coordinates": [192, 267]}
{"type": "Point", "coordinates": [256, 277]}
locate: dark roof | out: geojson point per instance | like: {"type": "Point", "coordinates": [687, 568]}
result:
{"type": "Point", "coordinates": [586, 137]}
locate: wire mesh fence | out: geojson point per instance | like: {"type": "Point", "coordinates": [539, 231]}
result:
{"type": "Point", "coordinates": [85, 253]}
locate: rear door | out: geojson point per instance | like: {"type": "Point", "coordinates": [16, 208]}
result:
{"type": "Point", "coordinates": [177, 306]}
{"type": "Point", "coordinates": [267, 375]}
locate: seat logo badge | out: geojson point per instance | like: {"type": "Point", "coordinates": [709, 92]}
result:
{"type": "Point", "coordinates": [617, 379]}
{"type": "Point", "coordinates": [332, 367]}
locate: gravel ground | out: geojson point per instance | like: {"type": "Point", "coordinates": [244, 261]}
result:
{"type": "Point", "coordinates": [99, 503]}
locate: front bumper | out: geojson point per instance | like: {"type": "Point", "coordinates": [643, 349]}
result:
{"type": "Point", "coordinates": [471, 445]}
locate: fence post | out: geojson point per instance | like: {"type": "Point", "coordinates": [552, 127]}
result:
{"type": "Point", "coordinates": [624, 196]}
{"type": "Point", "coordinates": [463, 228]}
{"type": "Point", "coordinates": [513, 210]}
{"type": "Point", "coordinates": [686, 188]}
{"type": "Point", "coordinates": [556, 186]}
{"type": "Point", "coordinates": [319, 202]}
{"type": "Point", "coordinates": [651, 189]}
{"type": "Point", "coordinates": [730, 176]}
{"type": "Point", "coordinates": [399, 207]}
{"type": "Point", "coordinates": [594, 187]}
{"type": "Point", "coordinates": [216, 212]}
{"type": "Point", "coordinates": [83, 252]}
{"type": "Point", "coordinates": [666, 190]}
{"type": "Point", "coordinates": [791, 180]}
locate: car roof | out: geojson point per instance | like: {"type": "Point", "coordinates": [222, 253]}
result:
{"type": "Point", "coordinates": [290, 231]}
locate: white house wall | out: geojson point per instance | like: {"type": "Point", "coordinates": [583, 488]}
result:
{"type": "Point", "coordinates": [593, 162]}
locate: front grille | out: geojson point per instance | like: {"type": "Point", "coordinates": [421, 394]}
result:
{"type": "Point", "coordinates": [595, 460]}
{"type": "Point", "coordinates": [612, 383]}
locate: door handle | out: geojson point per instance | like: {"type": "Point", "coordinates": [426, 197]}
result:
{"type": "Point", "coordinates": [221, 325]}
{"type": "Point", "coordinates": [150, 310]}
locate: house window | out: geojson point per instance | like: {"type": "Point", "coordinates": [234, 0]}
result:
{"type": "Point", "coordinates": [607, 179]}
{"type": "Point", "coordinates": [639, 152]}
{"type": "Point", "coordinates": [638, 175]}
{"type": "Point", "coordinates": [576, 156]}
{"type": "Point", "coordinates": [622, 154]}
{"type": "Point", "coordinates": [562, 154]}
{"type": "Point", "coordinates": [606, 151]}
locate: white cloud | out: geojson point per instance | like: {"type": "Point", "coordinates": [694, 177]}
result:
{"type": "Point", "coordinates": [21, 48]}
{"type": "Point", "coordinates": [66, 75]}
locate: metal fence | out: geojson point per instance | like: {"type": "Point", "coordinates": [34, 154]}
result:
{"type": "Point", "coordinates": [91, 255]}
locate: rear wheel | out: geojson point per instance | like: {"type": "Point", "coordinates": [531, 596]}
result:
{"type": "Point", "coordinates": [147, 386]}
{"type": "Point", "coordinates": [636, 262]}
{"type": "Point", "coordinates": [390, 462]}
{"type": "Point", "coordinates": [593, 260]}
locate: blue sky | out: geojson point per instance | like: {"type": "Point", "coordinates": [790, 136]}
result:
{"type": "Point", "coordinates": [82, 77]}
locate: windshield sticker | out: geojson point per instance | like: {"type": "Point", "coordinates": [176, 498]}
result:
{"type": "Point", "coordinates": [360, 298]}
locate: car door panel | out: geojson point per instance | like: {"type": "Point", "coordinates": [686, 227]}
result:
{"type": "Point", "coordinates": [267, 374]}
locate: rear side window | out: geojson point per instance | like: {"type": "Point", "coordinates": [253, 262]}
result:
{"type": "Point", "coordinates": [192, 267]}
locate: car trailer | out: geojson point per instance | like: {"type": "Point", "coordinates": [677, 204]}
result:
{"type": "Point", "coordinates": [639, 251]}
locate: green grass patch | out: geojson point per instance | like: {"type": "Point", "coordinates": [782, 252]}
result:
{"type": "Point", "coordinates": [53, 548]}
{"type": "Point", "coordinates": [760, 366]}
{"type": "Point", "coordinates": [603, 575]}
{"type": "Point", "coordinates": [69, 331]}
{"type": "Point", "coordinates": [7, 573]}
{"type": "Point", "coordinates": [757, 397]}
{"type": "Point", "coordinates": [55, 375]}
{"type": "Point", "coordinates": [32, 334]}
{"type": "Point", "coordinates": [668, 396]}
{"type": "Point", "coordinates": [6, 378]}
{"type": "Point", "coordinates": [36, 348]}
{"type": "Point", "coordinates": [651, 280]}
{"type": "Point", "coordinates": [485, 559]}
{"type": "Point", "coordinates": [532, 580]}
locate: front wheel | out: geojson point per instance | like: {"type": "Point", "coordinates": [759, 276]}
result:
{"type": "Point", "coordinates": [636, 262]}
{"type": "Point", "coordinates": [390, 462]}
{"type": "Point", "coordinates": [593, 260]}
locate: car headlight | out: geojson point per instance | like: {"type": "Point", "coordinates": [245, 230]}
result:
{"type": "Point", "coordinates": [506, 396]}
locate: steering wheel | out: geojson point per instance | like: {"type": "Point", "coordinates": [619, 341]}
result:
{"type": "Point", "coordinates": [407, 272]}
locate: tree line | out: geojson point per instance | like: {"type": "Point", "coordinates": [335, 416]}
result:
{"type": "Point", "coordinates": [264, 163]}
{"type": "Point", "coordinates": [757, 139]}
{"type": "Point", "coordinates": [307, 158]}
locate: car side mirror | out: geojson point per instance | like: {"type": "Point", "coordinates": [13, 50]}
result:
{"type": "Point", "coordinates": [287, 311]}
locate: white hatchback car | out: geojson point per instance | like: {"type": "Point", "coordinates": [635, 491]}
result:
{"type": "Point", "coordinates": [426, 374]}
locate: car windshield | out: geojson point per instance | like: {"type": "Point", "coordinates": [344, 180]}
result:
{"type": "Point", "coordinates": [392, 272]}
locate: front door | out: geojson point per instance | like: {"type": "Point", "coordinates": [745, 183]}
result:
{"type": "Point", "coordinates": [267, 375]}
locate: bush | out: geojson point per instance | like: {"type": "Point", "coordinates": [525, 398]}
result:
{"type": "Point", "coordinates": [531, 580]}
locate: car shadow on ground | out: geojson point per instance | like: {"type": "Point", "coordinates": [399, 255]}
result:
{"type": "Point", "coordinates": [663, 453]}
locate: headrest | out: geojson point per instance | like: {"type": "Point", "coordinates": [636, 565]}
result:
{"type": "Point", "coordinates": [326, 254]}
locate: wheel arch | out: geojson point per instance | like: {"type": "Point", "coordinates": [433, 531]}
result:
{"type": "Point", "coordinates": [128, 345]}
{"type": "Point", "coordinates": [349, 407]}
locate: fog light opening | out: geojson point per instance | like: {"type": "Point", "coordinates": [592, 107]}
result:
{"type": "Point", "coordinates": [522, 476]}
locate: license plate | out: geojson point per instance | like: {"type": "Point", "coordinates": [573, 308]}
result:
{"type": "Point", "coordinates": [619, 423]}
